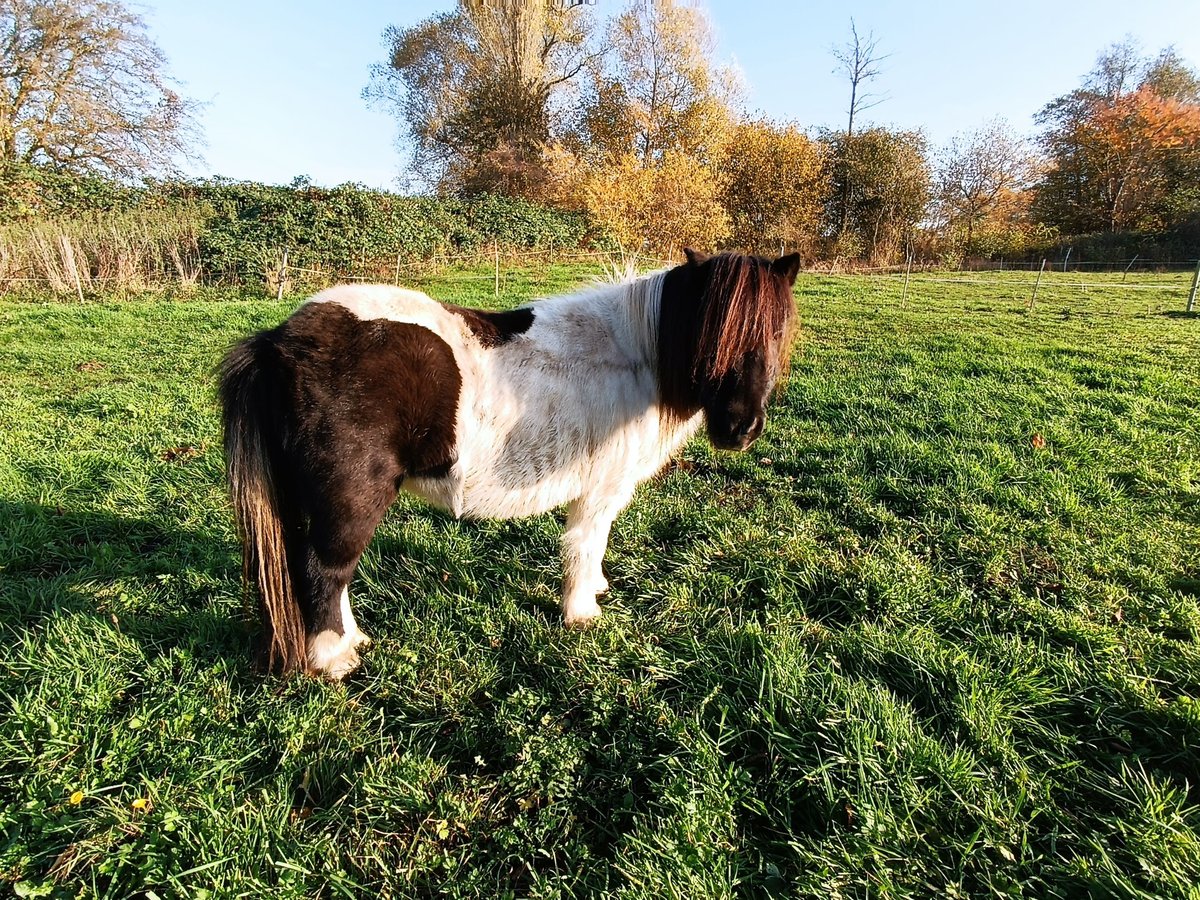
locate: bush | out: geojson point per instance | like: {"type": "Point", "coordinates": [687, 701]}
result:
{"type": "Point", "coordinates": [236, 231]}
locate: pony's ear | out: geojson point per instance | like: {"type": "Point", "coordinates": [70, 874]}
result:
{"type": "Point", "coordinates": [787, 267]}
{"type": "Point", "coordinates": [695, 257]}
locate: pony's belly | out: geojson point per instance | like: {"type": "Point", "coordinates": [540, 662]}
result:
{"type": "Point", "coordinates": [491, 500]}
{"type": "Point", "coordinates": [485, 497]}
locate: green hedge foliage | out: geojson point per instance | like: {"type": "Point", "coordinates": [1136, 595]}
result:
{"type": "Point", "coordinates": [343, 230]}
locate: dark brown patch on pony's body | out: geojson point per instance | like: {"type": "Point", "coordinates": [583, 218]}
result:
{"type": "Point", "coordinates": [492, 329]}
{"type": "Point", "coordinates": [343, 410]}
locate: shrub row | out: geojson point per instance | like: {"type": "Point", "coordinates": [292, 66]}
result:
{"type": "Point", "coordinates": [243, 227]}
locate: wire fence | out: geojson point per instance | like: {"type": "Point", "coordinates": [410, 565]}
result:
{"type": "Point", "coordinates": [288, 273]}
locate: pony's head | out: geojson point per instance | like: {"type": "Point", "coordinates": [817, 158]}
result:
{"type": "Point", "coordinates": [725, 335]}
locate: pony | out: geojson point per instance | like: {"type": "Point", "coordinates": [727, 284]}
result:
{"type": "Point", "coordinates": [366, 390]}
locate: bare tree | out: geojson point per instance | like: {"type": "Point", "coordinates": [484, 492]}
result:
{"type": "Point", "coordinates": [83, 87]}
{"type": "Point", "coordinates": [858, 60]}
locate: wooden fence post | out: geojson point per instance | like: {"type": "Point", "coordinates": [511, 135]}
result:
{"type": "Point", "coordinates": [496, 250]}
{"type": "Point", "coordinates": [1191, 304]}
{"type": "Point", "coordinates": [1036, 285]}
{"type": "Point", "coordinates": [907, 272]}
{"type": "Point", "coordinates": [282, 275]}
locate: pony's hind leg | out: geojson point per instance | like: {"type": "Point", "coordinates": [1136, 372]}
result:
{"type": "Point", "coordinates": [338, 534]}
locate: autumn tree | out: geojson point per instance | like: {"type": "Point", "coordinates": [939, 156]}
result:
{"type": "Point", "coordinates": [979, 178]}
{"type": "Point", "coordinates": [772, 187]}
{"type": "Point", "coordinates": [85, 89]}
{"type": "Point", "coordinates": [658, 89]}
{"type": "Point", "coordinates": [1123, 149]}
{"type": "Point", "coordinates": [475, 90]}
{"type": "Point", "coordinates": [879, 185]}
{"type": "Point", "coordinates": [642, 156]}
{"type": "Point", "coordinates": [656, 210]}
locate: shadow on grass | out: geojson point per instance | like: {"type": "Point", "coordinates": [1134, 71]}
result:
{"type": "Point", "coordinates": [85, 562]}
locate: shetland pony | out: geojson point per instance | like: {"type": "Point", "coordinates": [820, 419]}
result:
{"type": "Point", "coordinates": [366, 390]}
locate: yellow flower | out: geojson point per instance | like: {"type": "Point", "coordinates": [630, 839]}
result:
{"type": "Point", "coordinates": [141, 803]}
{"type": "Point", "coordinates": [77, 798]}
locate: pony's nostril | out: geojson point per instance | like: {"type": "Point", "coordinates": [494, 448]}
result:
{"type": "Point", "coordinates": [750, 429]}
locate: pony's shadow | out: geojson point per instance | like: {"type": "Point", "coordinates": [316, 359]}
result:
{"type": "Point", "coordinates": [62, 562]}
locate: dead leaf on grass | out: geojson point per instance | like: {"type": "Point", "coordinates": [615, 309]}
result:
{"type": "Point", "coordinates": [182, 453]}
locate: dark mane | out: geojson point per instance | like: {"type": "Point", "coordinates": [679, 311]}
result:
{"type": "Point", "coordinates": [711, 315]}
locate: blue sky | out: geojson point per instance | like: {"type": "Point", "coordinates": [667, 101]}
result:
{"type": "Point", "coordinates": [283, 81]}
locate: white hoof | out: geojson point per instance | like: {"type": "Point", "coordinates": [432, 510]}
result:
{"type": "Point", "coordinates": [581, 616]}
{"type": "Point", "coordinates": [333, 655]}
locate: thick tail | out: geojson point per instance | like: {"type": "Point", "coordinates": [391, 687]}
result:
{"type": "Point", "coordinates": [253, 405]}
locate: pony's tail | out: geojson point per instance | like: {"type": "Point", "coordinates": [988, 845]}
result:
{"type": "Point", "coordinates": [252, 406]}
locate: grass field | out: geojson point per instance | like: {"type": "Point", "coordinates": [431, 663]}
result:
{"type": "Point", "coordinates": [937, 634]}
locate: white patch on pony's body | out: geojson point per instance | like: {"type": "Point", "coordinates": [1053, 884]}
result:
{"type": "Point", "coordinates": [565, 412]}
{"type": "Point", "coordinates": [349, 626]}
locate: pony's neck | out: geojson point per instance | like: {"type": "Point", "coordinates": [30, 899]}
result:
{"type": "Point", "coordinates": [641, 312]}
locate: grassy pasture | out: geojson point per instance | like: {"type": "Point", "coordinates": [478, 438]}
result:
{"type": "Point", "coordinates": [938, 633]}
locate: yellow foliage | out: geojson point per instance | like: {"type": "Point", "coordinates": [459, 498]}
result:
{"type": "Point", "coordinates": [772, 187]}
{"type": "Point", "coordinates": [656, 209]}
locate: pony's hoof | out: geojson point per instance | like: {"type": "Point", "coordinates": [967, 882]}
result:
{"type": "Point", "coordinates": [580, 619]}
{"type": "Point", "coordinates": [343, 666]}
{"type": "Point", "coordinates": [333, 655]}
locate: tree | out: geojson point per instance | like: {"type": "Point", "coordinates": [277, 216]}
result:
{"type": "Point", "coordinates": [658, 90]}
{"type": "Point", "coordinates": [475, 90]}
{"type": "Point", "coordinates": [879, 186]}
{"type": "Point", "coordinates": [1123, 149]}
{"type": "Point", "coordinates": [771, 187]}
{"type": "Point", "coordinates": [643, 155]}
{"type": "Point", "coordinates": [978, 174]}
{"type": "Point", "coordinates": [84, 89]}
{"type": "Point", "coordinates": [858, 60]}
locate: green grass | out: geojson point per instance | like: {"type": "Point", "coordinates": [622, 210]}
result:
{"type": "Point", "coordinates": [938, 633]}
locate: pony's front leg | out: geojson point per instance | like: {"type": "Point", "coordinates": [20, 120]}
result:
{"type": "Point", "coordinates": [584, 542]}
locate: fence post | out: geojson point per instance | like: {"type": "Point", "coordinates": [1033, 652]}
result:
{"type": "Point", "coordinates": [1130, 266]}
{"type": "Point", "coordinates": [1036, 285]}
{"type": "Point", "coordinates": [1191, 304]}
{"type": "Point", "coordinates": [496, 250]}
{"type": "Point", "coordinates": [282, 275]}
{"type": "Point", "coordinates": [907, 272]}
{"type": "Point", "coordinates": [1067, 257]}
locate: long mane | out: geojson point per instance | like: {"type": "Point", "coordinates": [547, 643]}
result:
{"type": "Point", "coordinates": [741, 308]}
{"type": "Point", "coordinates": [745, 309]}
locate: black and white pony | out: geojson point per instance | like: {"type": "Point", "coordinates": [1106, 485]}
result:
{"type": "Point", "coordinates": [367, 390]}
